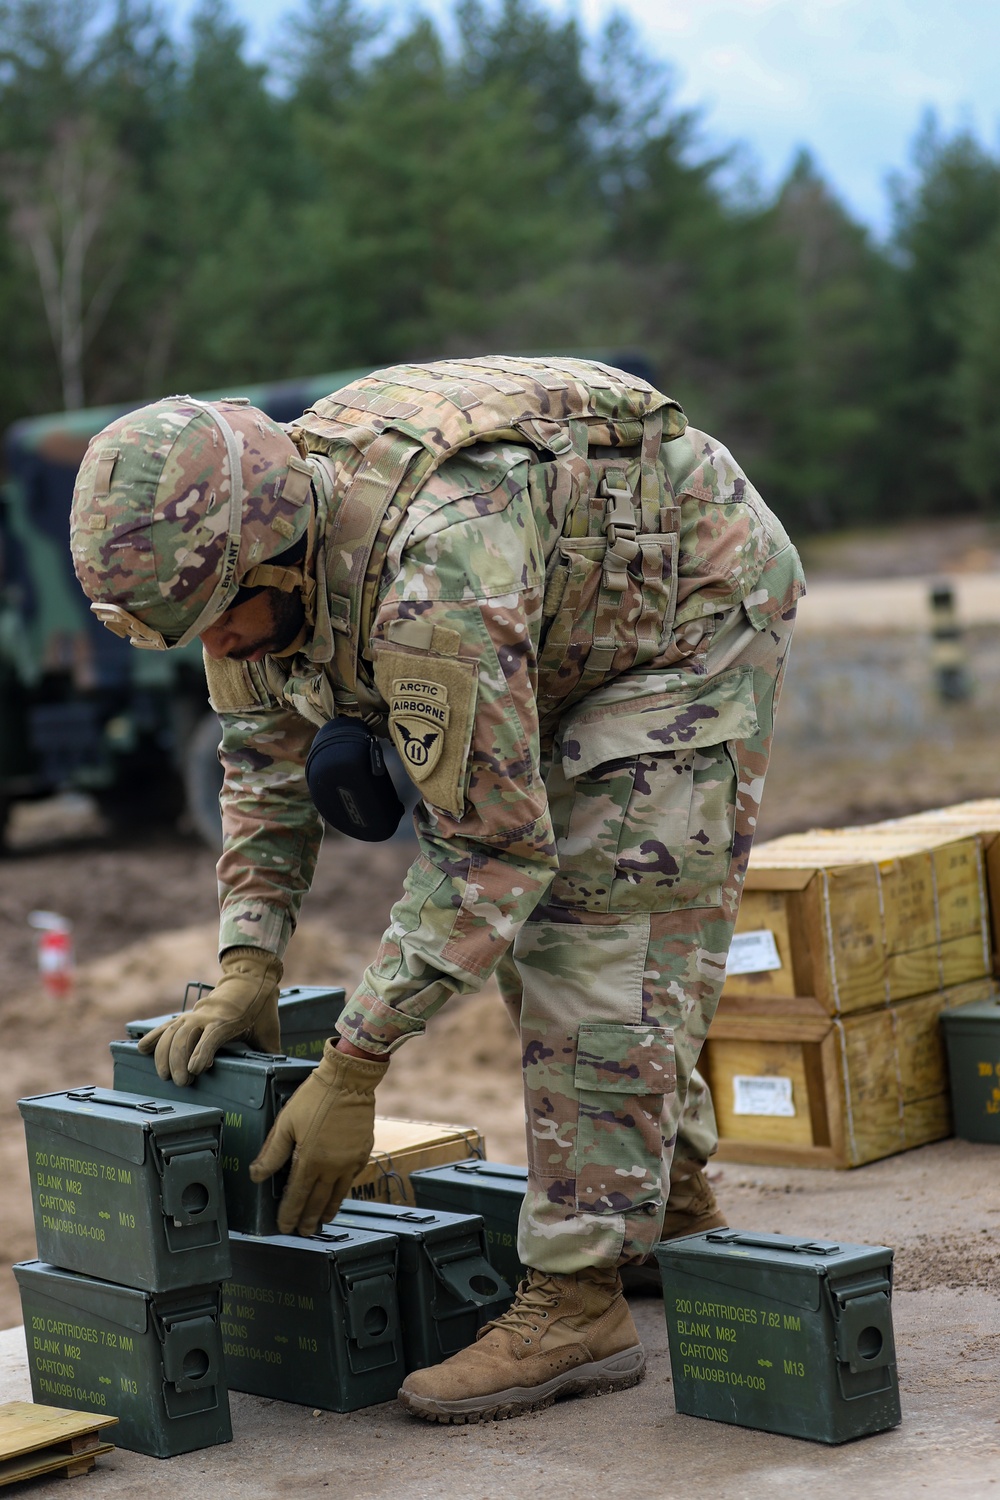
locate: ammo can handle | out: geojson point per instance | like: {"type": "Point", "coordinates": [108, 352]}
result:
{"type": "Point", "coordinates": [771, 1242]}
{"type": "Point", "coordinates": [200, 985]}
{"type": "Point", "coordinates": [490, 1169]}
{"type": "Point", "coordinates": [94, 1095]}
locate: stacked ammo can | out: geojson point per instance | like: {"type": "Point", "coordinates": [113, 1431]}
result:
{"type": "Point", "coordinates": [330, 1320]}
{"type": "Point", "coordinates": [308, 1320]}
{"type": "Point", "coordinates": [826, 1049]}
{"type": "Point", "coordinates": [122, 1309]}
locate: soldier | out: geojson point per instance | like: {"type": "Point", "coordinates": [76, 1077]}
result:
{"type": "Point", "coordinates": [570, 612]}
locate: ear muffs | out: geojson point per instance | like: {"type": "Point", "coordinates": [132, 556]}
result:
{"type": "Point", "coordinates": [349, 783]}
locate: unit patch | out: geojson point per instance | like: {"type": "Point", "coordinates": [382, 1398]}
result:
{"type": "Point", "coordinates": [418, 718]}
{"type": "Point", "coordinates": [432, 706]}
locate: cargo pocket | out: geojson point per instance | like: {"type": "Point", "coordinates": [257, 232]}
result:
{"type": "Point", "coordinates": [644, 802]}
{"type": "Point", "coordinates": [623, 1076]}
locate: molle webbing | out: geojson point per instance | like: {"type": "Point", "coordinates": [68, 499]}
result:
{"type": "Point", "coordinates": [404, 422]}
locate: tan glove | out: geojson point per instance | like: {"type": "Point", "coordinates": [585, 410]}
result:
{"type": "Point", "coordinates": [329, 1122]}
{"type": "Point", "coordinates": [243, 1004]}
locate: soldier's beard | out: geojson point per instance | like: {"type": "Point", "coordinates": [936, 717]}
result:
{"type": "Point", "coordinates": [287, 619]}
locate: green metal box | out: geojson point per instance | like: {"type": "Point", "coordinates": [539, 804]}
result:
{"type": "Point", "coordinates": [249, 1088]}
{"type": "Point", "coordinates": [972, 1041]}
{"type": "Point", "coordinates": [785, 1335]}
{"type": "Point", "coordinates": [151, 1359]}
{"type": "Point", "coordinates": [447, 1287]}
{"type": "Point", "coordinates": [491, 1189]}
{"type": "Point", "coordinates": [308, 1014]}
{"type": "Point", "coordinates": [314, 1320]}
{"type": "Point", "coordinates": [127, 1187]}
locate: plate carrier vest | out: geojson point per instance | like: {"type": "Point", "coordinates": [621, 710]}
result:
{"type": "Point", "coordinates": [388, 432]}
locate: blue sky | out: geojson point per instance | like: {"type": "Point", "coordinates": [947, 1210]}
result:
{"type": "Point", "coordinates": [850, 79]}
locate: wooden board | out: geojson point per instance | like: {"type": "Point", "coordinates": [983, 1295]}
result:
{"type": "Point", "coordinates": [863, 917]}
{"type": "Point", "coordinates": [862, 1086]}
{"type": "Point", "coordinates": [37, 1440]}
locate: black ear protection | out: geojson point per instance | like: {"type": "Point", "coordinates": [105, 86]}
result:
{"type": "Point", "coordinates": [350, 784]}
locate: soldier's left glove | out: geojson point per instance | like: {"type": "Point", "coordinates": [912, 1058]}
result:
{"type": "Point", "coordinates": [244, 1003]}
{"type": "Point", "coordinates": [329, 1123]}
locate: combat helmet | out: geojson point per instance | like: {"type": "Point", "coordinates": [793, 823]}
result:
{"type": "Point", "coordinates": [179, 505]}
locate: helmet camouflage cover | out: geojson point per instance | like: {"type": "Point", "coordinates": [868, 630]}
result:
{"type": "Point", "coordinates": [158, 530]}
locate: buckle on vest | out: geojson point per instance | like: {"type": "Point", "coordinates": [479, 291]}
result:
{"type": "Point", "coordinates": [619, 526]}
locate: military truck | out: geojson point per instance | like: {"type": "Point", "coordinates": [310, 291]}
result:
{"type": "Point", "coordinates": [80, 709]}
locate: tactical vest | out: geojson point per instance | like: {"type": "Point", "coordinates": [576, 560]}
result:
{"type": "Point", "coordinates": [596, 430]}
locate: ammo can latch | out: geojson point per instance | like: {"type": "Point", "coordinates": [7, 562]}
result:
{"type": "Point", "coordinates": [371, 1309]}
{"type": "Point", "coordinates": [189, 1173]}
{"type": "Point", "coordinates": [863, 1321]}
{"type": "Point", "coordinates": [190, 1374]}
{"type": "Point", "coordinates": [469, 1278]}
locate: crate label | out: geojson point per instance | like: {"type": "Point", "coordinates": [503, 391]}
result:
{"type": "Point", "coordinates": [762, 1096]}
{"type": "Point", "coordinates": [753, 952]}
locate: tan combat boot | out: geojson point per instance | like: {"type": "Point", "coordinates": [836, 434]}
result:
{"type": "Point", "coordinates": [691, 1209]}
{"type": "Point", "coordinates": [562, 1336]}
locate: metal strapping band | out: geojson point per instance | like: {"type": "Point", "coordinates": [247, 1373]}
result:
{"type": "Point", "coordinates": [885, 934]}
{"type": "Point", "coordinates": [848, 1107]}
{"type": "Point", "coordinates": [984, 907]}
{"type": "Point", "coordinates": [938, 935]}
{"type": "Point", "coordinates": [831, 951]}
{"type": "Point", "coordinates": [894, 1018]}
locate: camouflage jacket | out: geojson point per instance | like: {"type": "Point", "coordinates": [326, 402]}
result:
{"type": "Point", "coordinates": [491, 628]}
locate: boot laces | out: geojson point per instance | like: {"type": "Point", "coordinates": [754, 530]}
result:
{"type": "Point", "coordinates": [537, 1297]}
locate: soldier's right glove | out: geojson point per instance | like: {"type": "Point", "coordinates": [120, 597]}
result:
{"type": "Point", "coordinates": [244, 1004]}
{"type": "Point", "coordinates": [329, 1124]}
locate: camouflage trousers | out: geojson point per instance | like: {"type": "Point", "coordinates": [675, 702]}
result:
{"type": "Point", "coordinates": [654, 783]}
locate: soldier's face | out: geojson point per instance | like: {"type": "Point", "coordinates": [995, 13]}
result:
{"type": "Point", "coordinates": [258, 627]}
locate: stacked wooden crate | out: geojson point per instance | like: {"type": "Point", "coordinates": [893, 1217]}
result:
{"type": "Point", "coordinates": [826, 1049]}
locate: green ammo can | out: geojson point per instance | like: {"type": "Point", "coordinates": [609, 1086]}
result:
{"type": "Point", "coordinates": [127, 1187]}
{"type": "Point", "coordinates": [307, 1014]}
{"type": "Point", "coordinates": [314, 1320]}
{"type": "Point", "coordinates": [151, 1359]}
{"type": "Point", "coordinates": [447, 1288]}
{"type": "Point", "coordinates": [491, 1189]}
{"type": "Point", "coordinates": [972, 1040]}
{"type": "Point", "coordinates": [249, 1088]}
{"type": "Point", "coordinates": [784, 1335]}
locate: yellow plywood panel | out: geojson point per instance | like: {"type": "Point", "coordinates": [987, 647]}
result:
{"type": "Point", "coordinates": [37, 1440]}
{"type": "Point", "coordinates": [729, 1060]}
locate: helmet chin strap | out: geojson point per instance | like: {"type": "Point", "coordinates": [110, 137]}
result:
{"type": "Point", "coordinates": [290, 580]}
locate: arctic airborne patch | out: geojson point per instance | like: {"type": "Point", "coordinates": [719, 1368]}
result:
{"type": "Point", "coordinates": [418, 718]}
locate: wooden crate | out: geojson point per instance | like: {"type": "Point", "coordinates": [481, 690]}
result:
{"type": "Point", "coordinates": [860, 1087]}
{"type": "Point", "coordinates": [862, 917]}
{"type": "Point", "coordinates": [981, 817]}
{"type": "Point", "coordinates": [404, 1146]}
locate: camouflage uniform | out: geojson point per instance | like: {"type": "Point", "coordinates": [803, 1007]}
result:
{"type": "Point", "coordinates": [590, 737]}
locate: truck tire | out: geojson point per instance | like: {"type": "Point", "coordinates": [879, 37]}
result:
{"type": "Point", "coordinates": [203, 781]}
